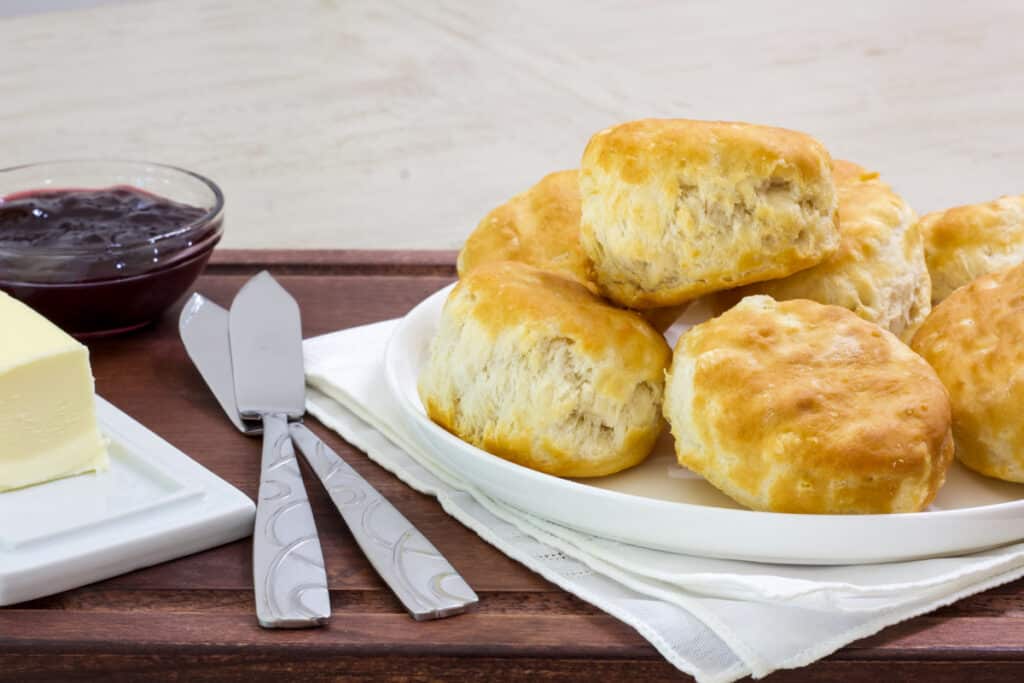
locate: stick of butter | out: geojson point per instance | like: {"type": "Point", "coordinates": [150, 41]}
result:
{"type": "Point", "coordinates": [47, 414]}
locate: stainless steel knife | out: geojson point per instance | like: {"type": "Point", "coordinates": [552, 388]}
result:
{"type": "Point", "coordinates": [420, 576]}
{"type": "Point", "coordinates": [265, 335]}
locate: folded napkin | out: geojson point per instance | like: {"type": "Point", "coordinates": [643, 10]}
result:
{"type": "Point", "coordinates": [718, 620]}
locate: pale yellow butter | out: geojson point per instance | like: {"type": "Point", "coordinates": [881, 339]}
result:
{"type": "Point", "coordinates": [48, 424]}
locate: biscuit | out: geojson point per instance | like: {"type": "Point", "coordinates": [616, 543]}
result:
{"type": "Point", "coordinates": [878, 272]}
{"type": "Point", "coordinates": [966, 242]}
{"type": "Point", "coordinates": [975, 341]}
{"type": "Point", "coordinates": [795, 406]}
{"type": "Point", "coordinates": [534, 368]}
{"type": "Point", "coordinates": [541, 227]}
{"type": "Point", "coordinates": [673, 209]}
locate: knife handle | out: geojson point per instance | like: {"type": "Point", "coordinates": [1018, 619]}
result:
{"type": "Point", "coordinates": [287, 563]}
{"type": "Point", "coordinates": [419, 575]}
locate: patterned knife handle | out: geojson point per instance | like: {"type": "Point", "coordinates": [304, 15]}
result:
{"type": "Point", "coordinates": [287, 563]}
{"type": "Point", "coordinates": [419, 575]}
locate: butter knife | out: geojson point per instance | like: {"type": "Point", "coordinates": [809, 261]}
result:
{"type": "Point", "coordinates": [265, 336]}
{"type": "Point", "coordinates": [425, 582]}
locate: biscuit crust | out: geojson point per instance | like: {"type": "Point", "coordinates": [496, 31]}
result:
{"type": "Point", "coordinates": [673, 209]}
{"type": "Point", "coordinates": [799, 407]}
{"type": "Point", "coordinates": [534, 368]}
{"type": "Point", "coordinates": [966, 242]}
{"type": "Point", "coordinates": [975, 341]}
{"type": "Point", "coordinates": [879, 270]}
{"type": "Point", "coordinates": [541, 227]}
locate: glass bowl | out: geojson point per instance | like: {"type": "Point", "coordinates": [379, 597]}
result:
{"type": "Point", "coordinates": [90, 284]}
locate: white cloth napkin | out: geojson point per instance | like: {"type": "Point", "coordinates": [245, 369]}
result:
{"type": "Point", "coordinates": [718, 620]}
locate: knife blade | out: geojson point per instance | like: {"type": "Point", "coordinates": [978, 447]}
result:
{"type": "Point", "coordinates": [265, 332]}
{"type": "Point", "coordinates": [203, 326]}
{"type": "Point", "coordinates": [265, 337]}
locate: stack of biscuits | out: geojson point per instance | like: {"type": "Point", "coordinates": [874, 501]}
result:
{"type": "Point", "coordinates": [825, 384]}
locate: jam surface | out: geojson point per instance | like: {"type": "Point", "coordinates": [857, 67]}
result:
{"type": "Point", "coordinates": [90, 219]}
{"type": "Point", "coordinates": [78, 235]}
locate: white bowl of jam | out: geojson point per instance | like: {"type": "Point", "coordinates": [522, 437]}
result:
{"type": "Point", "coordinates": [101, 247]}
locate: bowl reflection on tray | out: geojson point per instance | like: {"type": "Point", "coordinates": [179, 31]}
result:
{"type": "Point", "coordinates": [102, 247]}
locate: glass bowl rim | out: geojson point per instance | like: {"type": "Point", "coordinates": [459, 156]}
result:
{"type": "Point", "coordinates": [209, 216]}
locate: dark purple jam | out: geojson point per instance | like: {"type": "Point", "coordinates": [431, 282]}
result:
{"type": "Point", "coordinates": [101, 259]}
{"type": "Point", "coordinates": [115, 217]}
{"type": "Point", "coordinates": [110, 232]}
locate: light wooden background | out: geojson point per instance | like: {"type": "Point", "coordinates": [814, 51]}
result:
{"type": "Point", "coordinates": [399, 124]}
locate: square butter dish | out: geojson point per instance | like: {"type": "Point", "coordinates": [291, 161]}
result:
{"type": "Point", "coordinates": [152, 505]}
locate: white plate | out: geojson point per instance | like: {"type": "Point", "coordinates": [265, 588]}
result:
{"type": "Point", "coordinates": [660, 505]}
{"type": "Point", "coordinates": [153, 504]}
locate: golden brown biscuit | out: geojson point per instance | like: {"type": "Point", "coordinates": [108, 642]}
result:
{"type": "Point", "coordinates": [879, 270]}
{"type": "Point", "coordinates": [795, 406]}
{"type": "Point", "coordinates": [534, 368]}
{"type": "Point", "coordinates": [969, 241]}
{"type": "Point", "coordinates": [673, 209]}
{"type": "Point", "coordinates": [975, 341]}
{"type": "Point", "coordinates": [541, 227]}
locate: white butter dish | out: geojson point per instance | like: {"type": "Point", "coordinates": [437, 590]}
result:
{"type": "Point", "coordinates": [152, 505]}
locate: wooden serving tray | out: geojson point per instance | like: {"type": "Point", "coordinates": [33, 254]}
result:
{"type": "Point", "coordinates": [194, 619]}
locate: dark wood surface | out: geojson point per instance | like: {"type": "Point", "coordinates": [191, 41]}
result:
{"type": "Point", "coordinates": [193, 619]}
